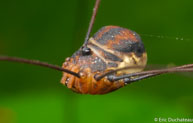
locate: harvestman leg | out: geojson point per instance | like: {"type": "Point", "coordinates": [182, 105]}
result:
{"type": "Point", "coordinates": [129, 78]}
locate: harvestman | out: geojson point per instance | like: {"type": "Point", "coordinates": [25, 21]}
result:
{"type": "Point", "coordinates": [109, 60]}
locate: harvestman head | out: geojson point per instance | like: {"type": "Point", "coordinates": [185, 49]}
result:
{"type": "Point", "coordinates": [109, 60]}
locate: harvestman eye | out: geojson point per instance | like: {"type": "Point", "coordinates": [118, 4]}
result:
{"type": "Point", "coordinates": [86, 51]}
{"type": "Point", "coordinates": [111, 59]}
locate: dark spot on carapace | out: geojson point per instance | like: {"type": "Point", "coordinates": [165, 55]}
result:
{"type": "Point", "coordinates": [127, 46]}
{"type": "Point", "coordinates": [109, 35]}
{"type": "Point", "coordinates": [139, 49]}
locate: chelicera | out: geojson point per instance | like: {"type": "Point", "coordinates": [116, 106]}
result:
{"type": "Point", "coordinates": [112, 58]}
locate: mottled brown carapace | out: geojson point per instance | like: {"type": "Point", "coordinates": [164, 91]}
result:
{"type": "Point", "coordinates": [112, 47]}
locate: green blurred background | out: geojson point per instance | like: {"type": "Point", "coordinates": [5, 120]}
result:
{"type": "Point", "coordinates": [50, 31]}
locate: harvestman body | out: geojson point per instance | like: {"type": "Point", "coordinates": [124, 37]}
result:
{"type": "Point", "coordinates": [111, 47]}
{"type": "Point", "coordinates": [109, 60]}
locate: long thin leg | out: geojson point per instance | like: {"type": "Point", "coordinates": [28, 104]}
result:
{"type": "Point", "coordinates": [183, 68]}
{"type": "Point", "coordinates": [116, 78]}
{"type": "Point", "coordinates": [130, 79]}
{"type": "Point", "coordinates": [39, 63]}
{"type": "Point", "coordinates": [95, 9]}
